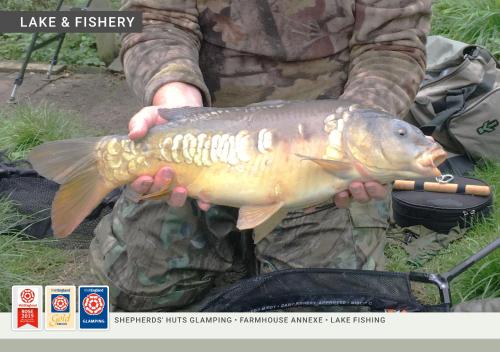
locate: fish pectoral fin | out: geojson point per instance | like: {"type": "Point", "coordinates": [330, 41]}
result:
{"type": "Point", "coordinates": [158, 195]}
{"type": "Point", "coordinates": [264, 229]}
{"type": "Point", "coordinates": [251, 216]}
{"type": "Point", "coordinates": [330, 165]}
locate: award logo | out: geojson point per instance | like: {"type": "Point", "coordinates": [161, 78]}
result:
{"type": "Point", "coordinates": [93, 305]}
{"type": "Point", "coordinates": [27, 307]}
{"type": "Point", "coordinates": [60, 307]}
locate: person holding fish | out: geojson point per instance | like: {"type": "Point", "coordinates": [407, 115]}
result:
{"type": "Point", "coordinates": [160, 249]}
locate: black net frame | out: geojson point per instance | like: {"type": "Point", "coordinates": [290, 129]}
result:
{"type": "Point", "coordinates": [318, 289]}
{"type": "Point", "coordinates": [321, 289]}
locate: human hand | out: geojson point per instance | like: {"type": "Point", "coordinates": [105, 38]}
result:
{"type": "Point", "coordinates": [361, 192]}
{"type": "Point", "coordinates": [171, 95]}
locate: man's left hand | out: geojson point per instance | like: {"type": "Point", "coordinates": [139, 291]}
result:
{"type": "Point", "coordinates": [361, 192]}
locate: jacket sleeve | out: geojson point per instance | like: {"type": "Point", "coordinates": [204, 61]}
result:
{"type": "Point", "coordinates": [167, 49]}
{"type": "Point", "coordinates": [387, 53]}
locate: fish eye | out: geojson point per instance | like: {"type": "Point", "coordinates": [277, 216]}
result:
{"type": "Point", "coordinates": [402, 132]}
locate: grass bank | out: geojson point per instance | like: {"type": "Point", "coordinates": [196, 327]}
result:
{"type": "Point", "coordinates": [26, 261]}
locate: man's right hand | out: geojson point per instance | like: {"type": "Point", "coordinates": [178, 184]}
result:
{"type": "Point", "coordinates": [171, 95]}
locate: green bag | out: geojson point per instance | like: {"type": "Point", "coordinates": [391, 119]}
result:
{"type": "Point", "coordinates": [459, 100]}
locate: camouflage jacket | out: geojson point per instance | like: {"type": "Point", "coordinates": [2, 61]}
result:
{"type": "Point", "coordinates": [243, 51]}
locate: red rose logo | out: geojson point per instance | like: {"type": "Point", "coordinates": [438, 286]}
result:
{"type": "Point", "coordinates": [93, 304]}
{"type": "Point", "coordinates": [27, 295]}
{"type": "Point", "coordinates": [60, 303]}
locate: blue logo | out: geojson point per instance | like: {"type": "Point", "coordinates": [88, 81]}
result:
{"type": "Point", "coordinates": [94, 310]}
{"type": "Point", "coordinates": [59, 303]}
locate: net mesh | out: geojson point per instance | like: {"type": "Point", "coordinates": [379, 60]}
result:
{"type": "Point", "coordinates": [32, 196]}
{"type": "Point", "coordinates": [319, 290]}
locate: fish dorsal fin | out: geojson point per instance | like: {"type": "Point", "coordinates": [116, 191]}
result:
{"type": "Point", "coordinates": [176, 114]}
{"type": "Point", "coordinates": [189, 112]}
{"type": "Point", "coordinates": [264, 229]}
{"type": "Point", "coordinates": [251, 216]}
{"type": "Point", "coordinates": [329, 165]}
{"type": "Point", "coordinates": [270, 102]}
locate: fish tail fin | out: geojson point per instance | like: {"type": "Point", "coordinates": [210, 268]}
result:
{"type": "Point", "coordinates": [73, 164]}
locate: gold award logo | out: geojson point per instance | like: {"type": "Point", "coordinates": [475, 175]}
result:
{"type": "Point", "coordinates": [60, 307]}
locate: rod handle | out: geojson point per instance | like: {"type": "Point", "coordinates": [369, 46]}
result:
{"type": "Point", "coordinates": [476, 190]}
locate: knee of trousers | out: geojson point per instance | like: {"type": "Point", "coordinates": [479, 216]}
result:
{"type": "Point", "coordinates": [329, 237]}
{"type": "Point", "coordinates": [156, 257]}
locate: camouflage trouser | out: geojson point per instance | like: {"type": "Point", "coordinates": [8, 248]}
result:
{"type": "Point", "coordinates": [157, 257]}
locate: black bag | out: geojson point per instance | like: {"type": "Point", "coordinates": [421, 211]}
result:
{"type": "Point", "coordinates": [439, 211]}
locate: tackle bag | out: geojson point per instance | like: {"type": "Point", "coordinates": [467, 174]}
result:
{"type": "Point", "coordinates": [441, 212]}
{"type": "Point", "coordinates": [437, 211]}
{"type": "Point", "coordinates": [458, 102]}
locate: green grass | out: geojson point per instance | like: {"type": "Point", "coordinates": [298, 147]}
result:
{"type": "Point", "coordinates": [480, 281]}
{"type": "Point", "coordinates": [26, 126]}
{"type": "Point", "coordinates": [24, 261]}
{"type": "Point", "coordinates": [9, 217]}
{"type": "Point", "coordinates": [77, 49]}
{"type": "Point", "coordinates": [28, 5]}
{"type": "Point", "coordinates": [27, 261]}
{"type": "Point", "coordinates": [469, 21]}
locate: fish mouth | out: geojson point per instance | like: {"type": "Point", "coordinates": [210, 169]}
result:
{"type": "Point", "coordinates": [429, 161]}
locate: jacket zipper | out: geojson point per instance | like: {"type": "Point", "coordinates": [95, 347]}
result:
{"type": "Point", "coordinates": [448, 76]}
